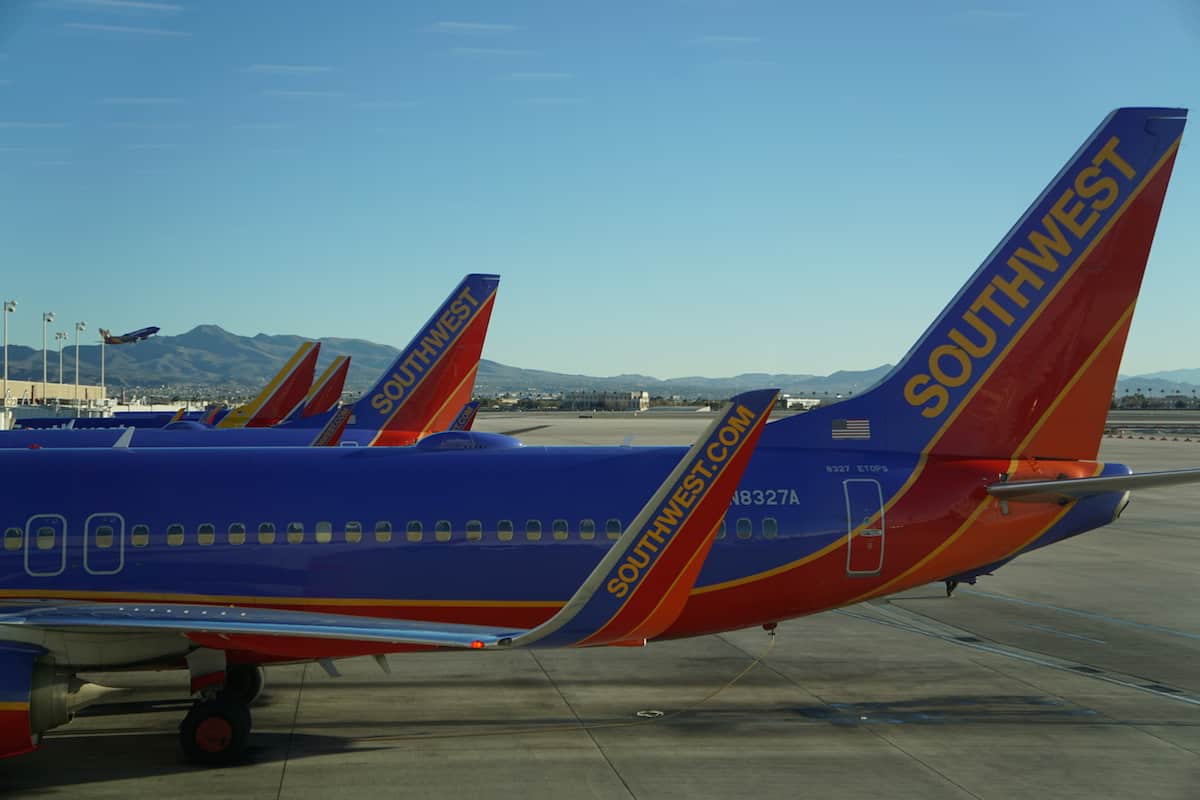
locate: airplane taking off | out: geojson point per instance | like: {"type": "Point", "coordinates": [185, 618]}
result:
{"type": "Point", "coordinates": [422, 392]}
{"type": "Point", "coordinates": [979, 445]}
{"type": "Point", "coordinates": [127, 338]}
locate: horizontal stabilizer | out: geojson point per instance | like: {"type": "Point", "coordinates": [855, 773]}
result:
{"type": "Point", "coordinates": [1076, 488]}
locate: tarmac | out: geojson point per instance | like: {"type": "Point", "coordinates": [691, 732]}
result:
{"type": "Point", "coordinates": [1074, 672]}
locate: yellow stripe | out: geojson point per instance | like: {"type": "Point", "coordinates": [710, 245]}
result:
{"type": "Point", "coordinates": [320, 382]}
{"type": "Point", "coordinates": [920, 467]}
{"type": "Point", "coordinates": [244, 413]}
{"type": "Point", "coordinates": [470, 376]}
{"type": "Point", "coordinates": [14, 707]}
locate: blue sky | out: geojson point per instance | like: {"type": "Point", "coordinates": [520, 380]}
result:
{"type": "Point", "coordinates": [672, 187]}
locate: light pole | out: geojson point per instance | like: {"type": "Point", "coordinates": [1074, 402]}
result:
{"type": "Point", "coordinates": [61, 336]}
{"type": "Point", "coordinates": [9, 307]}
{"type": "Point", "coordinates": [47, 318]}
{"type": "Point", "coordinates": [79, 328]}
{"type": "Point", "coordinates": [102, 392]}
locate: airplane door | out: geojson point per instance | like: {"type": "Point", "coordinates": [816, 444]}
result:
{"type": "Point", "coordinates": [104, 544]}
{"type": "Point", "coordinates": [864, 514]}
{"type": "Point", "coordinates": [45, 545]}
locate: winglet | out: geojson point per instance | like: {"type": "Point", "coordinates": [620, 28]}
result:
{"type": "Point", "coordinates": [642, 583]}
{"type": "Point", "coordinates": [465, 418]}
{"type": "Point", "coordinates": [331, 434]}
{"type": "Point", "coordinates": [125, 439]}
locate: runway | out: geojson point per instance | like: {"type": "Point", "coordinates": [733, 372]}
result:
{"type": "Point", "coordinates": [1072, 673]}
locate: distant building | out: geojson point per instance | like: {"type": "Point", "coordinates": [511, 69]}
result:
{"type": "Point", "coordinates": [802, 403]}
{"type": "Point", "coordinates": [605, 401]}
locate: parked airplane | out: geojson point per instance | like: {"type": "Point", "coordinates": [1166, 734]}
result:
{"type": "Point", "coordinates": [325, 393]}
{"type": "Point", "coordinates": [280, 395]}
{"type": "Point", "coordinates": [980, 444]}
{"type": "Point", "coordinates": [127, 338]}
{"type": "Point", "coordinates": [420, 393]}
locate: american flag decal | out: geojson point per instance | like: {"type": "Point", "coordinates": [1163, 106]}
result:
{"type": "Point", "coordinates": [851, 429]}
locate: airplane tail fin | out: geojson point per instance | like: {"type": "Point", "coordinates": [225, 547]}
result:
{"type": "Point", "coordinates": [325, 392]}
{"type": "Point", "coordinates": [433, 376]}
{"type": "Point", "coordinates": [280, 395]}
{"type": "Point", "coordinates": [1023, 361]}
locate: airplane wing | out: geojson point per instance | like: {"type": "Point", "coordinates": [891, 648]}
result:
{"type": "Point", "coordinates": [636, 591]}
{"type": "Point", "coordinates": [1076, 488]}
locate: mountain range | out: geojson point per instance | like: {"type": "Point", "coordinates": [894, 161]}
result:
{"type": "Point", "coordinates": [211, 356]}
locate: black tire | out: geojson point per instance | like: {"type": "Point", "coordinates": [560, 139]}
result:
{"type": "Point", "coordinates": [215, 732]}
{"type": "Point", "coordinates": [244, 683]}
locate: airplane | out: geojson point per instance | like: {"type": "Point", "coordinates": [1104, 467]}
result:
{"type": "Point", "coordinates": [980, 444]}
{"type": "Point", "coordinates": [275, 400]}
{"type": "Point", "coordinates": [422, 392]}
{"type": "Point", "coordinates": [325, 392]}
{"type": "Point", "coordinates": [280, 395]}
{"type": "Point", "coordinates": [132, 337]}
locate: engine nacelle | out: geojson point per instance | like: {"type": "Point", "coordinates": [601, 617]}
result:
{"type": "Point", "coordinates": [34, 697]}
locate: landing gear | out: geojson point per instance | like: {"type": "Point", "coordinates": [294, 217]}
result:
{"type": "Point", "coordinates": [215, 732]}
{"type": "Point", "coordinates": [951, 585]}
{"type": "Point", "coordinates": [244, 683]}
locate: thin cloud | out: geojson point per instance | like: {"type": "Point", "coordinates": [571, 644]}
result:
{"type": "Point", "coordinates": [539, 76]}
{"type": "Point", "coordinates": [384, 104]}
{"type": "Point", "coordinates": [472, 27]}
{"type": "Point", "coordinates": [31, 125]}
{"type": "Point", "coordinates": [127, 5]}
{"type": "Point", "coordinates": [142, 101]}
{"type": "Point", "coordinates": [487, 51]}
{"type": "Point", "coordinates": [724, 41]}
{"type": "Point", "coordinates": [88, 26]}
{"type": "Point", "coordinates": [288, 69]}
{"type": "Point", "coordinates": [300, 93]}
{"type": "Point", "coordinates": [148, 126]}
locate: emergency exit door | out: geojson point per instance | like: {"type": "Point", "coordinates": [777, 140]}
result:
{"type": "Point", "coordinates": [865, 529]}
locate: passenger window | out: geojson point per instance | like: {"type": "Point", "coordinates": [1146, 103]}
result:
{"type": "Point", "coordinates": [206, 534]}
{"type": "Point", "coordinates": [744, 528]}
{"type": "Point", "coordinates": [237, 533]}
{"type": "Point", "coordinates": [770, 528]}
{"type": "Point", "coordinates": [45, 538]}
{"type": "Point", "coordinates": [415, 531]}
{"type": "Point", "coordinates": [103, 537]}
{"type": "Point", "coordinates": [612, 528]}
{"type": "Point", "coordinates": [174, 535]}
{"type": "Point", "coordinates": [561, 531]}
{"type": "Point", "coordinates": [442, 530]}
{"type": "Point", "coordinates": [13, 538]}
{"type": "Point", "coordinates": [266, 533]}
{"type": "Point", "coordinates": [533, 530]}
{"type": "Point", "coordinates": [353, 532]}
{"type": "Point", "coordinates": [721, 529]}
{"type": "Point", "coordinates": [324, 532]}
{"type": "Point", "coordinates": [504, 530]}
{"type": "Point", "coordinates": [587, 529]}
{"type": "Point", "coordinates": [295, 532]}
{"type": "Point", "coordinates": [139, 536]}
{"type": "Point", "coordinates": [474, 530]}
{"type": "Point", "coordinates": [383, 532]}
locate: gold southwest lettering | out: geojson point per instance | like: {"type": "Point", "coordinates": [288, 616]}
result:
{"type": "Point", "coordinates": [1013, 288]}
{"type": "Point", "coordinates": [976, 350]}
{"type": "Point", "coordinates": [1068, 222]}
{"type": "Point", "coordinates": [1088, 190]}
{"type": "Point", "coordinates": [432, 344]}
{"type": "Point", "coordinates": [670, 515]}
